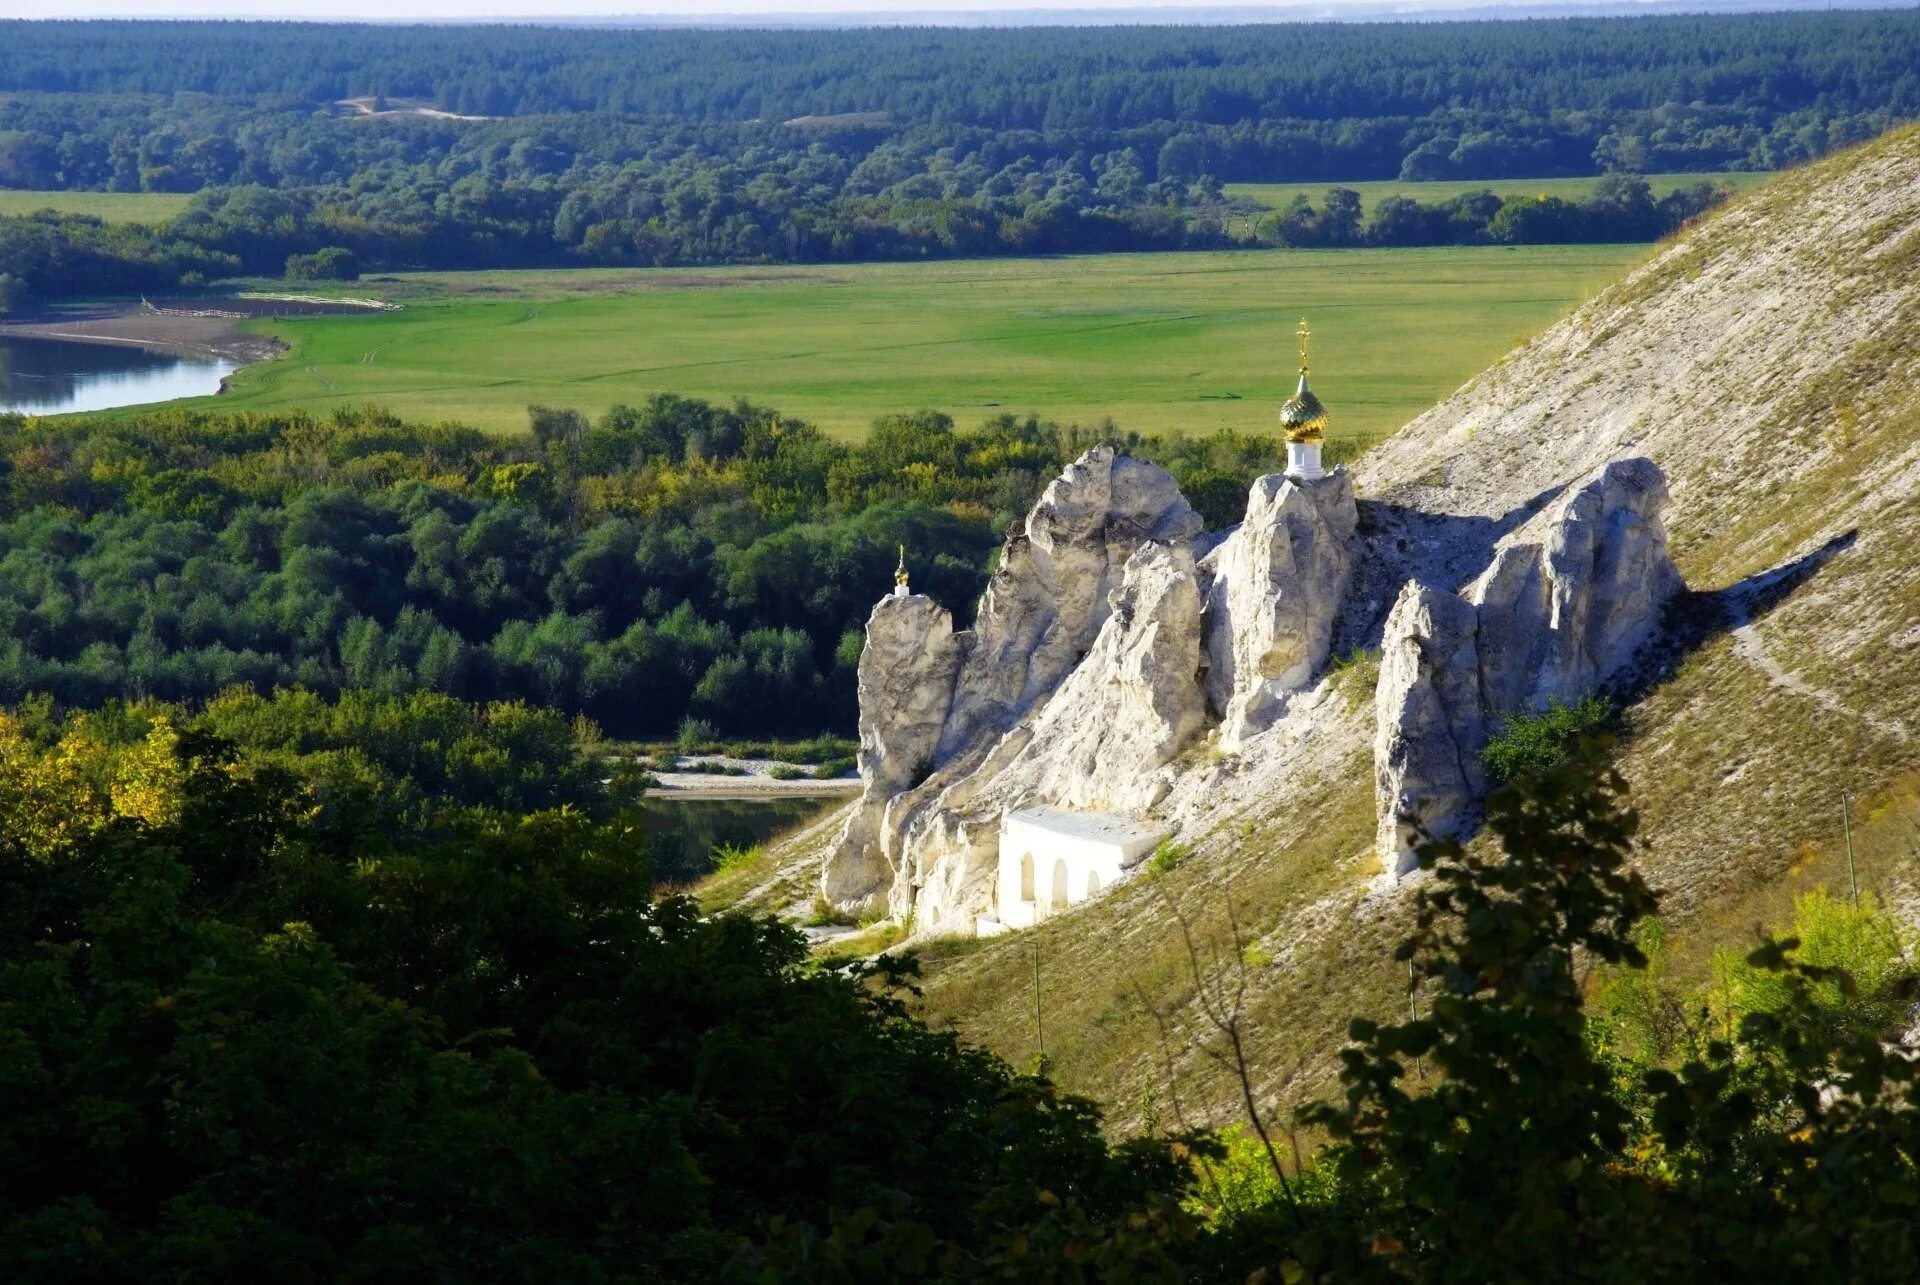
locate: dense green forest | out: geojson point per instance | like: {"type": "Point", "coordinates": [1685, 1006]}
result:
{"type": "Point", "coordinates": [681, 147]}
{"type": "Point", "coordinates": [1757, 68]}
{"type": "Point", "coordinates": [250, 1032]}
{"type": "Point", "coordinates": [671, 560]}
{"type": "Point", "coordinates": [260, 231]}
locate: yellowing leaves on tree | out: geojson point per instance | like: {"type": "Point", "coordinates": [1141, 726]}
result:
{"type": "Point", "coordinates": [52, 797]}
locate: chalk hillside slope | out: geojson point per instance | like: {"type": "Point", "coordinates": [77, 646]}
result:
{"type": "Point", "coordinates": [1769, 362]}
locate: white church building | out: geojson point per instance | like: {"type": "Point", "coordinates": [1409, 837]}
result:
{"type": "Point", "coordinates": [1051, 859]}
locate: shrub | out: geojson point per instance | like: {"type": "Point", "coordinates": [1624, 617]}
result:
{"type": "Point", "coordinates": [787, 772]}
{"type": "Point", "coordinates": [1531, 745]}
{"type": "Point", "coordinates": [833, 768]}
{"type": "Point", "coordinates": [1165, 857]}
{"type": "Point", "coordinates": [731, 856]}
{"type": "Point", "coordinates": [331, 264]}
{"type": "Point", "coordinates": [695, 735]}
{"type": "Point", "coordinates": [1355, 676]}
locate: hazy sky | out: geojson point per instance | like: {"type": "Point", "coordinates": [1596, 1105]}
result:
{"type": "Point", "coordinates": [455, 10]}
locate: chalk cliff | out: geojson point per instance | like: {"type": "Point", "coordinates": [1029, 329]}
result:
{"type": "Point", "coordinates": [1564, 608]}
{"type": "Point", "coordinates": [1101, 651]}
{"type": "Point", "coordinates": [1273, 592]}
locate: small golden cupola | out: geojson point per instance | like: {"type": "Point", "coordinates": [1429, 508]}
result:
{"type": "Point", "coordinates": [900, 575]}
{"type": "Point", "coordinates": [1304, 420]}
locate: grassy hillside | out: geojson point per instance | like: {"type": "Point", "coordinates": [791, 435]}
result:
{"type": "Point", "coordinates": [114, 207]}
{"type": "Point", "coordinates": [1186, 341]}
{"type": "Point", "coordinates": [1770, 362]}
{"type": "Point", "coordinates": [1277, 195]}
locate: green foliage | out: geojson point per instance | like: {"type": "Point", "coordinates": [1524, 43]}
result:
{"type": "Point", "coordinates": [1867, 958]}
{"type": "Point", "coordinates": [729, 856]}
{"type": "Point", "coordinates": [238, 1050]}
{"type": "Point", "coordinates": [696, 736]}
{"type": "Point", "coordinates": [828, 769]}
{"type": "Point", "coordinates": [1529, 745]}
{"type": "Point", "coordinates": [333, 263]}
{"type": "Point", "coordinates": [1166, 856]}
{"type": "Point", "coordinates": [657, 573]}
{"type": "Point", "coordinates": [481, 1045]}
{"type": "Point", "coordinates": [1355, 676]}
{"type": "Point", "coordinates": [660, 148]}
{"type": "Point", "coordinates": [1501, 1136]}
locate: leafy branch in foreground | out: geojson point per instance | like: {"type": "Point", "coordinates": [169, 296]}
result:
{"type": "Point", "coordinates": [1786, 1152]}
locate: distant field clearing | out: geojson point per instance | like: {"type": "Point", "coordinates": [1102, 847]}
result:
{"type": "Point", "coordinates": [1157, 342]}
{"type": "Point", "coordinates": [114, 207]}
{"type": "Point", "coordinates": [1276, 195]}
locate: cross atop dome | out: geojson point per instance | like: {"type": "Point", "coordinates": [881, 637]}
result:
{"type": "Point", "coordinates": [1304, 421]}
{"type": "Point", "coordinates": [900, 575]}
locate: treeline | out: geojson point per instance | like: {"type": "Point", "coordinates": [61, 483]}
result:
{"type": "Point", "coordinates": [678, 219]}
{"type": "Point", "coordinates": [136, 143]}
{"type": "Point", "coordinates": [1771, 65]}
{"type": "Point", "coordinates": [1621, 207]}
{"type": "Point", "coordinates": [457, 1040]}
{"type": "Point", "coordinates": [243, 1045]}
{"type": "Point", "coordinates": [668, 561]}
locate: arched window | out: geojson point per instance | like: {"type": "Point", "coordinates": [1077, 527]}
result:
{"type": "Point", "coordinates": [1093, 882]}
{"type": "Point", "coordinates": [1060, 884]}
{"type": "Point", "coordinates": [1026, 876]}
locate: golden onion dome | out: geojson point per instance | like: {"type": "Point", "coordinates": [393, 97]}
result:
{"type": "Point", "coordinates": [1303, 418]}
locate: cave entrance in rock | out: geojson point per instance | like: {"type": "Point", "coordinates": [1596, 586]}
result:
{"type": "Point", "coordinates": [1060, 884]}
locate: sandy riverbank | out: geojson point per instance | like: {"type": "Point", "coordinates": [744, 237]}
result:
{"type": "Point", "coordinates": [747, 779]}
{"type": "Point", "coordinates": [199, 326]}
{"type": "Point", "coordinates": [700, 785]}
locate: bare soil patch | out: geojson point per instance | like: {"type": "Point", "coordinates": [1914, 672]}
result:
{"type": "Point", "coordinates": [200, 325]}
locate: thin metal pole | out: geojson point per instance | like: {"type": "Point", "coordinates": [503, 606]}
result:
{"type": "Point", "coordinates": [1846, 823]}
{"type": "Point", "coordinates": [1413, 1015]}
{"type": "Point", "coordinates": [1039, 1035]}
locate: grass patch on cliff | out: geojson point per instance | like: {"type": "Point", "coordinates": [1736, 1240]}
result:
{"type": "Point", "coordinates": [1167, 342]}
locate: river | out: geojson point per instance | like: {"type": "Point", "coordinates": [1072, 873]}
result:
{"type": "Point", "coordinates": [686, 831]}
{"type": "Point", "coordinates": [56, 376]}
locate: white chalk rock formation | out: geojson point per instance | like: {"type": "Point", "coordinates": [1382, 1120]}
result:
{"type": "Point", "coordinates": [1085, 676]}
{"type": "Point", "coordinates": [1049, 597]}
{"type": "Point", "coordinates": [1100, 741]}
{"type": "Point", "coordinates": [1132, 704]}
{"type": "Point", "coordinates": [1561, 615]}
{"type": "Point", "coordinates": [906, 688]}
{"type": "Point", "coordinates": [937, 708]}
{"type": "Point", "coordinates": [1273, 591]}
{"type": "Point", "coordinates": [1564, 607]}
{"type": "Point", "coordinates": [1431, 725]}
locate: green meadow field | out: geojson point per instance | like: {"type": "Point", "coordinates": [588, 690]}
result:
{"type": "Point", "coordinates": [1156, 341]}
{"type": "Point", "coordinates": [114, 207]}
{"type": "Point", "coordinates": [1277, 195]}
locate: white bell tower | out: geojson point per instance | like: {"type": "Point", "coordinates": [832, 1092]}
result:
{"type": "Point", "coordinates": [1304, 420]}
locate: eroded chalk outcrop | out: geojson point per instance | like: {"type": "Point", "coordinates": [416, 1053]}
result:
{"type": "Point", "coordinates": [1088, 671]}
{"type": "Point", "coordinates": [1049, 597]}
{"type": "Point", "coordinates": [1562, 610]}
{"type": "Point", "coordinates": [943, 713]}
{"type": "Point", "coordinates": [906, 691]}
{"type": "Point", "coordinates": [1273, 592]}
{"type": "Point", "coordinates": [1430, 724]}
{"type": "Point", "coordinates": [1561, 614]}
